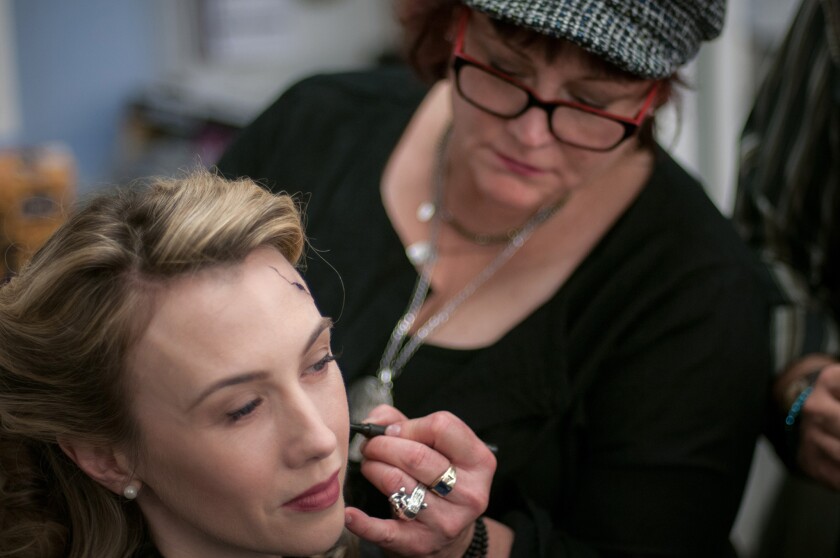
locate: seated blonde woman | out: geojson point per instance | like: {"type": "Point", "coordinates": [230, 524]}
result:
{"type": "Point", "coordinates": [168, 388]}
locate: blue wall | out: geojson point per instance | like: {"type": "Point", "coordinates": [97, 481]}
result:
{"type": "Point", "coordinates": [78, 61]}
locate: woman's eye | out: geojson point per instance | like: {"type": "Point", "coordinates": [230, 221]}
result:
{"type": "Point", "coordinates": [501, 69]}
{"type": "Point", "coordinates": [323, 363]}
{"type": "Point", "coordinates": [244, 411]}
{"type": "Point", "coordinates": [591, 103]}
{"type": "Point", "coordinates": [506, 69]}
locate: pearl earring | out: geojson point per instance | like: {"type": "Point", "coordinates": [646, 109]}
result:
{"type": "Point", "coordinates": [130, 492]}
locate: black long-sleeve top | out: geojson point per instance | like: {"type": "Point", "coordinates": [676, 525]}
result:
{"type": "Point", "coordinates": [625, 408]}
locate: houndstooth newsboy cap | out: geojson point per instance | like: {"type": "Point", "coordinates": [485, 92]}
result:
{"type": "Point", "coordinates": [648, 38]}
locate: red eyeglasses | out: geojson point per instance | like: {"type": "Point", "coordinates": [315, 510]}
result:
{"type": "Point", "coordinates": [572, 123]}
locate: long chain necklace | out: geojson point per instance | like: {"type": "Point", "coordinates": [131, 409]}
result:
{"type": "Point", "coordinates": [371, 391]}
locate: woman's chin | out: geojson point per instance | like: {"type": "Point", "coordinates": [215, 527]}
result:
{"type": "Point", "coordinates": [518, 196]}
{"type": "Point", "coordinates": [318, 539]}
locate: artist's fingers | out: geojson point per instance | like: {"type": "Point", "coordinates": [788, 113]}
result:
{"type": "Point", "coordinates": [415, 452]}
{"type": "Point", "coordinates": [820, 413]}
{"type": "Point", "coordinates": [821, 410]}
{"type": "Point", "coordinates": [829, 379]}
{"type": "Point", "coordinates": [405, 538]}
{"type": "Point", "coordinates": [385, 414]}
{"type": "Point", "coordinates": [819, 429]}
{"type": "Point", "coordinates": [378, 531]}
{"type": "Point", "coordinates": [393, 462]}
{"type": "Point", "coordinates": [450, 436]}
{"type": "Point", "coordinates": [442, 431]}
{"type": "Point", "coordinates": [446, 517]}
{"type": "Point", "coordinates": [819, 456]}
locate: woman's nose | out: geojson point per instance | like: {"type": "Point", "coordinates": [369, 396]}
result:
{"type": "Point", "coordinates": [308, 435]}
{"type": "Point", "coordinates": [531, 128]}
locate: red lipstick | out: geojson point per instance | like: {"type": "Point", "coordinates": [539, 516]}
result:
{"type": "Point", "coordinates": [319, 497]}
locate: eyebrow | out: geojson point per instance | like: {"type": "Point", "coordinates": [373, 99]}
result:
{"type": "Point", "coordinates": [247, 377]}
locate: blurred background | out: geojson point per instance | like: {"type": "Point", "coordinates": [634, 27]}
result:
{"type": "Point", "coordinates": [133, 87]}
{"type": "Point", "coordinates": [98, 92]}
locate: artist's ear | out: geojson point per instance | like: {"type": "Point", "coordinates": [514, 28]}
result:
{"type": "Point", "coordinates": [106, 465]}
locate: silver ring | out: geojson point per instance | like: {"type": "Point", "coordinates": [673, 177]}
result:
{"type": "Point", "coordinates": [407, 507]}
{"type": "Point", "coordinates": [444, 484]}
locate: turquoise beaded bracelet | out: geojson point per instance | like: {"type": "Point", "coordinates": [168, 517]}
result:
{"type": "Point", "coordinates": [796, 408]}
{"type": "Point", "coordinates": [807, 386]}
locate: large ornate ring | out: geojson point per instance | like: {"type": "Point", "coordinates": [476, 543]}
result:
{"type": "Point", "coordinates": [407, 507]}
{"type": "Point", "coordinates": [444, 484]}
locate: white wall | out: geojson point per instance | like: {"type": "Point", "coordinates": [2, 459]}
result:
{"type": "Point", "coordinates": [307, 37]}
{"type": "Point", "coordinates": [729, 73]}
{"type": "Point", "coordinates": [725, 102]}
{"type": "Point", "coordinates": [715, 107]}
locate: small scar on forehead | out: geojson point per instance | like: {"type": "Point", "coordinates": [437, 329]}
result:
{"type": "Point", "coordinates": [293, 283]}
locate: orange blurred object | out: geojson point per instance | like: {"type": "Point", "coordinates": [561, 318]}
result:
{"type": "Point", "coordinates": [37, 185]}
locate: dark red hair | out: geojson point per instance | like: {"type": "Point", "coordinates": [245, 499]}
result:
{"type": "Point", "coordinates": [428, 32]}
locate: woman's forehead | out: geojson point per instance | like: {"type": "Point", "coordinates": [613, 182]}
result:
{"type": "Point", "coordinates": [239, 317]}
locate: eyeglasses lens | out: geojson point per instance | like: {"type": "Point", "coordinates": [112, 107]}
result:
{"type": "Point", "coordinates": [505, 99]}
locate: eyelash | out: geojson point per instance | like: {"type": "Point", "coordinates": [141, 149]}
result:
{"type": "Point", "coordinates": [245, 411]}
{"type": "Point", "coordinates": [590, 102]}
{"type": "Point", "coordinates": [322, 364]}
{"type": "Point", "coordinates": [518, 76]}
{"type": "Point", "coordinates": [507, 71]}
{"type": "Point", "coordinates": [241, 413]}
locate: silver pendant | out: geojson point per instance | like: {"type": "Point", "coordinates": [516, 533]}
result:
{"type": "Point", "coordinates": [364, 395]}
{"type": "Point", "coordinates": [425, 212]}
{"type": "Point", "coordinates": [418, 253]}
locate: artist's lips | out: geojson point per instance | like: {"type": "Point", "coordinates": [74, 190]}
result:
{"type": "Point", "coordinates": [319, 497]}
{"type": "Point", "coordinates": [518, 167]}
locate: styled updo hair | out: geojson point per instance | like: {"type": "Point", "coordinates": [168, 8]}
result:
{"type": "Point", "coordinates": [428, 39]}
{"type": "Point", "coordinates": [67, 322]}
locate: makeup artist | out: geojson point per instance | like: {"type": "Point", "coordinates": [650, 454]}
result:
{"type": "Point", "coordinates": [515, 248]}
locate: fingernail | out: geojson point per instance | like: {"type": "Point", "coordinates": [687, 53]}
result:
{"type": "Point", "coordinates": [393, 430]}
{"type": "Point", "coordinates": [348, 519]}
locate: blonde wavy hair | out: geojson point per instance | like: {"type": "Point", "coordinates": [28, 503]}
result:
{"type": "Point", "coordinates": [66, 323]}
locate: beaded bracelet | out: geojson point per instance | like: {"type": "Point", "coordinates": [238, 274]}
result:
{"type": "Point", "coordinates": [797, 394]}
{"type": "Point", "coordinates": [478, 545]}
{"type": "Point", "coordinates": [796, 407]}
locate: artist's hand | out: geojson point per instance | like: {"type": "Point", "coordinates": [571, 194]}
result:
{"type": "Point", "coordinates": [819, 441]}
{"type": "Point", "coordinates": [416, 452]}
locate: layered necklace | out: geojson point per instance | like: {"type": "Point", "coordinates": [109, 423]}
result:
{"type": "Point", "coordinates": [371, 391]}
